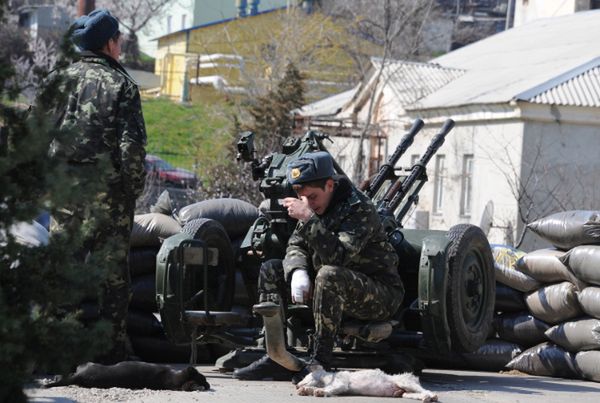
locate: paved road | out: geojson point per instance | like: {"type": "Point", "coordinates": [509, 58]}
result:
{"type": "Point", "coordinates": [451, 386]}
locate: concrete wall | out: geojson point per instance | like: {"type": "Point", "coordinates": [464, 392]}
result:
{"type": "Point", "coordinates": [561, 169]}
{"type": "Point", "coordinates": [528, 10]}
{"type": "Point", "coordinates": [492, 144]}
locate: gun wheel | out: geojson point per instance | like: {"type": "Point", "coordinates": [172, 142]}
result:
{"type": "Point", "coordinates": [471, 288]}
{"type": "Point", "coordinates": [221, 279]}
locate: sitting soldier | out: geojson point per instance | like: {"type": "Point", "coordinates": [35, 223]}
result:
{"type": "Point", "coordinates": [338, 256]}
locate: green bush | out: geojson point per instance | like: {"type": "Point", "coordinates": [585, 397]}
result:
{"type": "Point", "coordinates": [41, 287]}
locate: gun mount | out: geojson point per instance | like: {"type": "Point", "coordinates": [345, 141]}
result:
{"type": "Point", "coordinates": [448, 275]}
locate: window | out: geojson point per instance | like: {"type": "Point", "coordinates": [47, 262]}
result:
{"type": "Point", "coordinates": [466, 190]}
{"type": "Point", "coordinates": [438, 189]}
{"type": "Point", "coordinates": [169, 21]}
{"type": "Point", "coordinates": [183, 17]}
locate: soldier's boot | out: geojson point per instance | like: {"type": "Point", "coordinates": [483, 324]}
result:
{"type": "Point", "coordinates": [264, 369]}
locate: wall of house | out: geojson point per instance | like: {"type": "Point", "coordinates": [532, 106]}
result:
{"type": "Point", "coordinates": [560, 167]}
{"type": "Point", "coordinates": [528, 10]}
{"type": "Point", "coordinates": [177, 15]}
{"type": "Point", "coordinates": [267, 42]}
{"type": "Point", "coordinates": [491, 143]}
{"type": "Point", "coordinates": [170, 64]}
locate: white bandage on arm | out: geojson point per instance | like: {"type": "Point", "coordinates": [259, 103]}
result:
{"type": "Point", "coordinates": [300, 286]}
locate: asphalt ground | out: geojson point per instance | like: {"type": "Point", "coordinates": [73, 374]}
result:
{"type": "Point", "coordinates": [450, 385]}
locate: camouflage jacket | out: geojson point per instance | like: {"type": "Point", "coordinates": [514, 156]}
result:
{"type": "Point", "coordinates": [103, 114]}
{"type": "Point", "coordinates": [348, 234]}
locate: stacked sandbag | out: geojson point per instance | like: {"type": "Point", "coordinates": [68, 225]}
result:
{"type": "Point", "coordinates": [567, 300]}
{"type": "Point", "coordinates": [236, 216]}
{"type": "Point", "coordinates": [533, 292]}
{"type": "Point", "coordinates": [144, 329]}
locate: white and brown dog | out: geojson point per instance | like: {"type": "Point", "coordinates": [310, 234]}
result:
{"type": "Point", "coordinates": [368, 382]}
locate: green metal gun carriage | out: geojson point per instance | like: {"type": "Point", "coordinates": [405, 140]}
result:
{"type": "Point", "coordinates": [448, 275]}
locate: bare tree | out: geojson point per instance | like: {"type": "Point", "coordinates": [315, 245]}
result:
{"type": "Point", "coordinates": [134, 15]}
{"type": "Point", "coordinates": [397, 26]}
{"type": "Point", "coordinates": [540, 185]}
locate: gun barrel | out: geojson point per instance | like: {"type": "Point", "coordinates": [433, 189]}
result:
{"type": "Point", "coordinates": [398, 192]}
{"type": "Point", "coordinates": [388, 168]}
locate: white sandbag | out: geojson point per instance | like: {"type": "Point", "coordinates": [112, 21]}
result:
{"type": "Point", "coordinates": [521, 328]}
{"type": "Point", "coordinates": [589, 299]}
{"type": "Point", "coordinates": [578, 335]}
{"type": "Point", "coordinates": [235, 215]}
{"type": "Point", "coordinates": [545, 359]}
{"type": "Point", "coordinates": [568, 229]}
{"type": "Point", "coordinates": [584, 262]}
{"type": "Point", "coordinates": [493, 355]}
{"type": "Point", "coordinates": [554, 303]}
{"type": "Point", "coordinates": [545, 266]}
{"type": "Point", "coordinates": [150, 229]}
{"type": "Point", "coordinates": [505, 259]}
{"type": "Point", "coordinates": [588, 364]}
{"type": "Point", "coordinates": [31, 234]}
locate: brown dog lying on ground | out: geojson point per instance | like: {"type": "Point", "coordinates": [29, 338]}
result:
{"type": "Point", "coordinates": [134, 375]}
{"type": "Point", "coordinates": [368, 382]}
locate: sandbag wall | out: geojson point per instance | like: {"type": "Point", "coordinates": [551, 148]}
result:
{"type": "Point", "coordinates": [149, 230]}
{"type": "Point", "coordinates": [143, 326]}
{"type": "Point", "coordinates": [548, 301]}
{"type": "Point", "coordinates": [236, 216]}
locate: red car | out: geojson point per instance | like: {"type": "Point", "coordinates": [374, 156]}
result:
{"type": "Point", "coordinates": [171, 176]}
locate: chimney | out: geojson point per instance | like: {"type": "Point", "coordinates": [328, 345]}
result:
{"type": "Point", "coordinates": [253, 8]}
{"type": "Point", "coordinates": [241, 6]}
{"type": "Point", "coordinates": [85, 7]}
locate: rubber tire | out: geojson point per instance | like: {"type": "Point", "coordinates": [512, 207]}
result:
{"type": "Point", "coordinates": [471, 279]}
{"type": "Point", "coordinates": [213, 233]}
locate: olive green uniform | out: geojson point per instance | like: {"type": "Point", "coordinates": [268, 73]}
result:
{"type": "Point", "coordinates": [354, 267]}
{"type": "Point", "coordinates": [104, 116]}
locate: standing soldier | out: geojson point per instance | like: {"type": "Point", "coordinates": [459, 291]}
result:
{"type": "Point", "coordinates": [340, 246]}
{"type": "Point", "coordinates": [103, 115]}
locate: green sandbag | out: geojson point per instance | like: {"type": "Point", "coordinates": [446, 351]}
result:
{"type": "Point", "coordinates": [150, 229]}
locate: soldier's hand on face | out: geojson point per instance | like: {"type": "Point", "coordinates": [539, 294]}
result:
{"type": "Point", "coordinates": [298, 208]}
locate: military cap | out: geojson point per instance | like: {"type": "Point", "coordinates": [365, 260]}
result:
{"type": "Point", "coordinates": [310, 167]}
{"type": "Point", "coordinates": [92, 31]}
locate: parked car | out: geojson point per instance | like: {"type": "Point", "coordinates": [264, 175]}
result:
{"type": "Point", "coordinates": [170, 175]}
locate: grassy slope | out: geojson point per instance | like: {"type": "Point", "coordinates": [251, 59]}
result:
{"type": "Point", "coordinates": [187, 136]}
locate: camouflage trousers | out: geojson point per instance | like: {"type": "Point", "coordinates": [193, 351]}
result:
{"type": "Point", "coordinates": [106, 245]}
{"type": "Point", "coordinates": [337, 292]}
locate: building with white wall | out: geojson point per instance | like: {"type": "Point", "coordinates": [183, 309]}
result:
{"type": "Point", "coordinates": [182, 14]}
{"type": "Point", "coordinates": [529, 10]}
{"type": "Point", "coordinates": [527, 108]}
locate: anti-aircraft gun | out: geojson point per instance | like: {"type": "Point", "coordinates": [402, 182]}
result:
{"type": "Point", "coordinates": [448, 275]}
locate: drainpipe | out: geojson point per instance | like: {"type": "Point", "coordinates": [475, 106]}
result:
{"type": "Point", "coordinates": [253, 8]}
{"type": "Point", "coordinates": [241, 7]}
